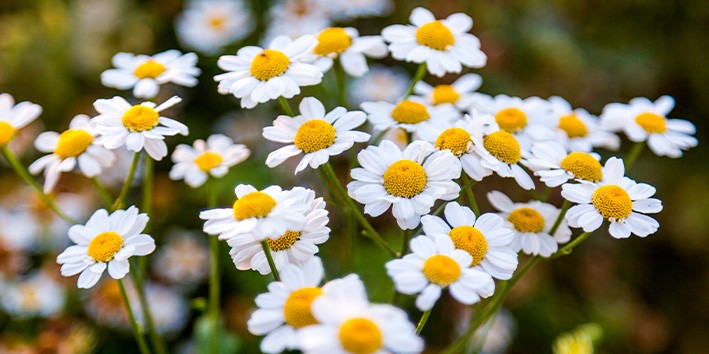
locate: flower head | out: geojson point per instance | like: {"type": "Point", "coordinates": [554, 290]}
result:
{"type": "Point", "coordinates": [346, 45]}
{"type": "Point", "coordinates": [555, 166]}
{"type": "Point", "coordinates": [411, 114]}
{"type": "Point", "coordinates": [459, 93]}
{"type": "Point", "coordinates": [213, 157]}
{"type": "Point", "coordinates": [210, 25]}
{"type": "Point", "coordinates": [578, 130]}
{"type": "Point", "coordinates": [14, 117]}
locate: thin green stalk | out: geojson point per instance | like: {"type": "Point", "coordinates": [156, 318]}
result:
{"type": "Point", "coordinates": [22, 172]}
{"type": "Point", "coordinates": [566, 250]}
{"type": "Point", "coordinates": [468, 186]}
{"type": "Point", "coordinates": [126, 184]}
{"type": "Point", "coordinates": [420, 72]}
{"type": "Point", "coordinates": [341, 84]}
{"type": "Point", "coordinates": [422, 321]}
{"type": "Point", "coordinates": [133, 324]}
{"type": "Point", "coordinates": [214, 277]}
{"type": "Point", "coordinates": [106, 196]}
{"type": "Point", "coordinates": [286, 106]}
{"type": "Point", "coordinates": [350, 239]}
{"type": "Point", "coordinates": [633, 154]}
{"type": "Point", "coordinates": [146, 207]}
{"type": "Point", "coordinates": [155, 338]}
{"type": "Point", "coordinates": [564, 208]}
{"type": "Point", "coordinates": [271, 263]}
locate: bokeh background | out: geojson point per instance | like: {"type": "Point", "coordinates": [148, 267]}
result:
{"type": "Point", "coordinates": [649, 295]}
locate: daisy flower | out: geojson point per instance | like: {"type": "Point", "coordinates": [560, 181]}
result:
{"type": "Point", "coordinates": [434, 264]}
{"type": "Point", "coordinates": [14, 117]}
{"type": "Point", "coordinates": [182, 261]}
{"type": "Point", "coordinates": [459, 93]}
{"type": "Point", "coordinates": [408, 181]}
{"type": "Point", "coordinates": [256, 214]}
{"type": "Point", "coordinates": [144, 74]}
{"type": "Point", "coordinates": [214, 157]}
{"type": "Point", "coordinates": [444, 45]}
{"type": "Point", "coordinates": [485, 238]}
{"type": "Point", "coordinates": [644, 120]}
{"type": "Point", "coordinates": [578, 130]}
{"type": "Point", "coordinates": [210, 25]}
{"type": "Point", "coordinates": [295, 246]}
{"type": "Point", "coordinates": [77, 145]}
{"type": "Point", "coordinates": [616, 198]}
{"type": "Point", "coordinates": [550, 161]}
{"type": "Point", "coordinates": [258, 75]}
{"type": "Point", "coordinates": [37, 295]}
{"type": "Point", "coordinates": [346, 10]}
{"type": "Point", "coordinates": [531, 223]}
{"type": "Point", "coordinates": [380, 83]}
{"type": "Point", "coordinates": [346, 45]}
{"type": "Point", "coordinates": [169, 308]}
{"type": "Point", "coordinates": [315, 134]}
{"type": "Point", "coordinates": [106, 241]}
{"type": "Point", "coordinates": [411, 114]}
{"type": "Point", "coordinates": [348, 323]}
{"type": "Point", "coordinates": [295, 18]}
{"type": "Point", "coordinates": [137, 126]}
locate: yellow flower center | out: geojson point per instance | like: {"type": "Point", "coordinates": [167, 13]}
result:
{"type": "Point", "coordinates": [454, 139]}
{"type": "Point", "coordinates": [296, 310]}
{"type": "Point", "coordinates": [104, 246]}
{"type": "Point", "coordinates": [511, 119]}
{"type": "Point", "coordinates": [29, 297]}
{"type": "Point", "coordinates": [217, 22]}
{"type": "Point", "coordinates": [471, 240]}
{"type": "Point", "coordinates": [140, 118]}
{"type": "Point", "coordinates": [253, 205]}
{"type": "Point", "coordinates": [73, 142]}
{"type": "Point", "coordinates": [410, 112]}
{"type": "Point", "coordinates": [441, 270]}
{"type": "Point", "coordinates": [360, 336]}
{"type": "Point", "coordinates": [269, 64]}
{"type": "Point", "coordinates": [573, 126]}
{"type": "Point", "coordinates": [613, 202]}
{"type": "Point", "coordinates": [405, 178]}
{"type": "Point", "coordinates": [445, 94]}
{"type": "Point", "coordinates": [208, 160]}
{"type": "Point", "coordinates": [284, 242]}
{"type": "Point", "coordinates": [503, 146]}
{"type": "Point", "coordinates": [333, 40]}
{"type": "Point", "coordinates": [583, 166]}
{"type": "Point", "coordinates": [7, 132]}
{"type": "Point", "coordinates": [651, 122]}
{"type": "Point", "coordinates": [314, 135]}
{"type": "Point", "coordinates": [149, 70]}
{"type": "Point", "coordinates": [527, 220]}
{"type": "Point", "coordinates": [435, 35]}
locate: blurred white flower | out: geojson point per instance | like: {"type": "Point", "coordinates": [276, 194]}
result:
{"type": "Point", "coordinates": [296, 18]}
{"type": "Point", "coordinates": [183, 260]}
{"type": "Point", "coordinates": [345, 10]}
{"type": "Point", "coordinates": [380, 83]}
{"type": "Point", "coordinates": [37, 295]}
{"type": "Point", "coordinates": [210, 25]}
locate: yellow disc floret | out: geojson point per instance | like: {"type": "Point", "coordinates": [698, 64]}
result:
{"type": "Point", "coordinates": [140, 118]}
{"type": "Point", "coordinates": [503, 146]}
{"type": "Point", "coordinates": [511, 119]}
{"type": "Point", "coordinates": [360, 336]}
{"type": "Point", "coordinates": [7, 132]}
{"type": "Point", "coordinates": [527, 220]}
{"type": "Point", "coordinates": [150, 69]}
{"type": "Point", "coordinates": [454, 139]}
{"type": "Point", "coordinates": [333, 40]}
{"type": "Point", "coordinates": [405, 178]}
{"type": "Point", "coordinates": [314, 135]}
{"type": "Point", "coordinates": [573, 126]}
{"type": "Point", "coordinates": [441, 270]}
{"type": "Point", "coordinates": [73, 142]}
{"type": "Point", "coordinates": [269, 64]}
{"type": "Point", "coordinates": [613, 202]}
{"type": "Point", "coordinates": [410, 112]}
{"type": "Point", "coordinates": [284, 242]}
{"type": "Point", "coordinates": [651, 122]}
{"type": "Point", "coordinates": [444, 94]}
{"type": "Point", "coordinates": [583, 166]}
{"type": "Point", "coordinates": [208, 160]}
{"type": "Point", "coordinates": [435, 35]}
{"type": "Point", "coordinates": [104, 246]}
{"type": "Point", "coordinates": [253, 205]}
{"type": "Point", "coordinates": [296, 310]}
{"type": "Point", "coordinates": [471, 240]}
{"type": "Point", "coordinates": [217, 22]}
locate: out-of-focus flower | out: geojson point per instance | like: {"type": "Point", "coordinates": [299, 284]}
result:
{"type": "Point", "coordinates": [346, 10]}
{"type": "Point", "coordinates": [578, 130]}
{"type": "Point", "coordinates": [209, 25]}
{"type": "Point", "coordinates": [550, 161]}
{"type": "Point", "coordinates": [579, 341]}
{"type": "Point", "coordinates": [295, 18]}
{"type": "Point", "coordinates": [144, 74]}
{"type": "Point", "coordinates": [411, 114]}
{"type": "Point", "coordinates": [14, 117]}
{"type": "Point", "coordinates": [37, 295]}
{"type": "Point", "coordinates": [168, 308]}
{"type": "Point", "coordinates": [214, 157]}
{"type": "Point", "coordinates": [380, 83]}
{"type": "Point", "coordinates": [183, 260]}
{"type": "Point", "coordinates": [459, 93]}
{"type": "Point", "coordinates": [104, 304]}
{"type": "Point", "coordinates": [346, 45]}
{"type": "Point", "coordinates": [19, 230]}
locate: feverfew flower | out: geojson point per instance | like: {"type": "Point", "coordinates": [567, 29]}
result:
{"type": "Point", "coordinates": [182, 261]}
{"type": "Point", "coordinates": [486, 238]}
{"type": "Point", "coordinates": [616, 198]}
{"type": "Point", "coordinates": [531, 223]}
{"type": "Point", "coordinates": [578, 130]}
{"type": "Point", "coordinates": [555, 166]}
{"type": "Point", "coordinates": [444, 45]}
{"type": "Point", "coordinates": [435, 264]}
{"type": "Point", "coordinates": [295, 18]}
{"type": "Point", "coordinates": [137, 127]}
{"type": "Point", "coordinates": [106, 241]}
{"type": "Point", "coordinates": [257, 214]}
{"type": "Point", "coordinates": [459, 93]}
{"type": "Point", "coordinates": [411, 114]}
{"type": "Point", "coordinates": [644, 120]}
{"type": "Point", "coordinates": [14, 117]}
{"type": "Point", "coordinates": [346, 45]}
{"type": "Point", "coordinates": [380, 83]}
{"type": "Point", "coordinates": [77, 145]}
{"type": "Point", "coordinates": [315, 134]}
{"type": "Point", "coordinates": [37, 295]}
{"type": "Point", "coordinates": [144, 74]}
{"type": "Point", "coordinates": [296, 246]}
{"type": "Point", "coordinates": [409, 181]}
{"type": "Point", "coordinates": [214, 157]}
{"type": "Point", "coordinates": [210, 25]}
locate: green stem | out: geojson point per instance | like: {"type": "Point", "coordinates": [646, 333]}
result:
{"type": "Point", "coordinates": [146, 207]}
{"type": "Point", "coordinates": [566, 250]}
{"type": "Point", "coordinates": [633, 154]}
{"type": "Point", "coordinates": [118, 204]}
{"type": "Point", "coordinates": [103, 192]}
{"type": "Point", "coordinates": [329, 173]}
{"type": "Point", "coordinates": [350, 237]}
{"type": "Point", "coordinates": [22, 172]}
{"type": "Point", "coordinates": [564, 208]}
{"type": "Point", "coordinates": [271, 263]}
{"type": "Point", "coordinates": [420, 72]}
{"type": "Point", "coordinates": [286, 106]}
{"type": "Point", "coordinates": [422, 321]}
{"type": "Point", "coordinates": [341, 84]}
{"type": "Point", "coordinates": [468, 184]}
{"type": "Point", "coordinates": [133, 324]}
{"type": "Point", "coordinates": [214, 277]}
{"type": "Point", "coordinates": [158, 343]}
